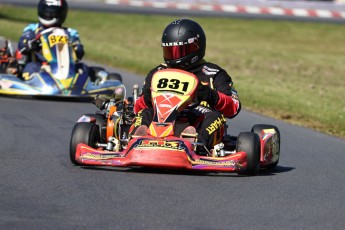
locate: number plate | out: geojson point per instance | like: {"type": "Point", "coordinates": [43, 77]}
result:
{"type": "Point", "coordinates": [56, 39]}
{"type": "Point", "coordinates": [176, 81]}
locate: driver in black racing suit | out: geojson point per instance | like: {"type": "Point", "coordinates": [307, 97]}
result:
{"type": "Point", "coordinates": [184, 45]}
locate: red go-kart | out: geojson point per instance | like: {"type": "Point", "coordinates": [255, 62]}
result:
{"type": "Point", "coordinates": [102, 139]}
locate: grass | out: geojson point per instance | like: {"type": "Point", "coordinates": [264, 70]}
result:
{"type": "Point", "coordinates": [293, 71]}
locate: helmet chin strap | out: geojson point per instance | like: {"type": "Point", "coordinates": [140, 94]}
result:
{"type": "Point", "coordinates": [48, 23]}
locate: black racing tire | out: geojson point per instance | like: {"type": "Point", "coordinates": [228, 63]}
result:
{"type": "Point", "coordinates": [93, 71]}
{"type": "Point", "coordinates": [115, 76]}
{"type": "Point", "coordinates": [258, 129]}
{"type": "Point", "coordinates": [3, 68]}
{"type": "Point", "coordinates": [101, 123]}
{"type": "Point", "coordinates": [249, 142]}
{"type": "Point", "coordinates": [96, 68]}
{"type": "Point", "coordinates": [86, 133]}
{"type": "Point", "coordinates": [20, 69]}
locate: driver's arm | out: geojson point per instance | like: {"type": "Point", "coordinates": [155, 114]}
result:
{"type": "Point", "coordinates": [228, 102]}
{"type": "Point", "coordinates": [28, 35]}
{"type": "Point", "coordinates": [76, 43]}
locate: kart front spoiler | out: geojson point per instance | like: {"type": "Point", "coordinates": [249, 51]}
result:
{"type": "Point", "coordinates": [160, 158]}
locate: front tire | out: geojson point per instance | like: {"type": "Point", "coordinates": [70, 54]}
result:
{"type": "Point", "coordinates": [250, 143]}
{"type": "Point", "coordinates": [101, 122]}
{"type": "Point", "coordinates": [86, 133]}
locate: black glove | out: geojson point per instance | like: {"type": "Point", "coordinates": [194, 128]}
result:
{"type": "Point", "coordinates": [205, 93]}
{"type": "Point", "coordinates": [32, 45]}
{"type": "Point", "coordinates": [100, 102]}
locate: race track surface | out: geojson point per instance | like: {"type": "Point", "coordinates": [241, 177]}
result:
{"type": "Point", "coordinates": [41, 188]}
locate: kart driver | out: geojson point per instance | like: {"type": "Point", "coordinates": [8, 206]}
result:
{"type": "Point", "coordinates": [184, 44]}
{"type": "Point", "coordinates": [51, 13]}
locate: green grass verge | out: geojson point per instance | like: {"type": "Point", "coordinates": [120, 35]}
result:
{"type": "Point", "coordinates": [292, 71]}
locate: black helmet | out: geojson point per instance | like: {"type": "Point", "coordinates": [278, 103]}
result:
{"type": "Point", "coordinates": [184, 43]}
{"type": "Point", "coordinates": [52, 12]}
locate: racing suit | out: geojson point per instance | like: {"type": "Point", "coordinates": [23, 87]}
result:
{"type": "Point", "coordinates": [208, 117]}
{"type": "Point", "coordinates": [33, 58]}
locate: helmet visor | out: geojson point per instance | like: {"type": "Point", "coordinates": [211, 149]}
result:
{"type": "Point", "coordinates": [179, 51]}
{"type": "Point", "coordinates": [48, 14]}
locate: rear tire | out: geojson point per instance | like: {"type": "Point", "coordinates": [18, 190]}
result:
{"type": "Point", "coordinates": [258, 130]}
{"type": "Point", "coordinates": [115, 76]}
{"type": "Point", "coordinates": [93, 71]}
{"type": "Point", "coordinates": [86, 133]}
{"type": "Point", "coordinates": [250, 143]}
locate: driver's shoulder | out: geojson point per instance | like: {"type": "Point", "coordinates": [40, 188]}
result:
{"type": "Point", "coordinates": [73, 32]}
{"type": "Point", "coordinates": [212, 67]}
{"type": "Point", "coordinates": [31, 27]}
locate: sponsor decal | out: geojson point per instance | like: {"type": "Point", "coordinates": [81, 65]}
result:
{"type": "Point", "coordinates": [138, 119]}
{"type": "Point", "coordinates": [180, 43]}
{"type": "Point", "coordinates": [216, 125]}
{"type": "Point", "coordinates": [209, 71]}
{"type": "Point", "coordinates": [93, 156]}
{"type": "Point", "coordinates": [203, 108]}
{"type": "Point", "coordinates": [160, 144]}
{"type": "Point", "coordinates": [191, 40]}
{"type": "Point", "coordinates": [194, 59]}
{"type": "Point", "coordinates": [173, 43]}
{"type": "Point", "coordinates": [204, 162]}
{"type": "Point", "coordinates": [53, 2]}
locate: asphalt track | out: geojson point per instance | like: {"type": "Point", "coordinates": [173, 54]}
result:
{"type": "Point", "coordinates": [41, 189]}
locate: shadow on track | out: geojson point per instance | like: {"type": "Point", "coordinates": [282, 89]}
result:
{"type": "Point", "coordinates": [49, 98]}
{"type": "Point", "coordinates": [262, 172]}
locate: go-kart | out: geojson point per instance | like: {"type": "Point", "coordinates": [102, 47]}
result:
{"type": "Point", "coordinates": [102, 139]}
{"type": "Point", "coordinates": [61, 76]}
